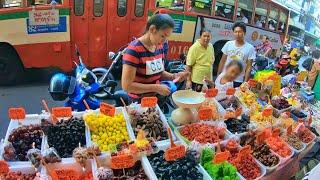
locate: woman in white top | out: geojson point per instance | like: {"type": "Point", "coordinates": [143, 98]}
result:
{"type": "Point", "coordinates": [225, 80]}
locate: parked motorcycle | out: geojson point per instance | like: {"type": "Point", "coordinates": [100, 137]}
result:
{"type": "Point", "coordinates": [84, 86]}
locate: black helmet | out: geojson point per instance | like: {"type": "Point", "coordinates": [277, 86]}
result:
{"type": "Point", "coordinates": [61, 86]}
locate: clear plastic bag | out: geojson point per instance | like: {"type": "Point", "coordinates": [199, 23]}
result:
{"type": "Point", "coordinates": [50, 155]}
{"type": "Point", "coordinates": [9, 153]}
{"type": "Point", "coordinates": [34, 155]}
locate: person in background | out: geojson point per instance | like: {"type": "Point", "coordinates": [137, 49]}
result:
{"type": "Point", "coordinates": [200, 59]}
{"type": "Point", "coordinates": [243, 17]}
{"type": "Point", "coordinates": [220, 12]}
{"type": "Point", "coordinates": [257, 22]}
{"type": "Point", "coordinates": [286, 45]}
{"type": "Point", "coordinates": [238, 50]}
{"type": "Point", "coordinates": [271, 25]}
{"type": "Point", "coordinates": [225, 80]}
{"type": "Point", "coordinates": [313, 76]}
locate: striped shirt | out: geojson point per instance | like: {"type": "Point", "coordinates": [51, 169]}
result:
{"type": "Point", "coordinates": [149, 65]}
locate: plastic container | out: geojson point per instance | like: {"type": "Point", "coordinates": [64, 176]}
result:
{"type": "Point", "coordinates": [31, 119]}
{"type": "Point", "coordinates": [282, 159]}
{"type": "Point", "coordinates": [277, 112]}
{"type": "Point", "coordinates": [164, 146]}
{"type": "Point", "coordinates": [294, 117]}
{"type": "Point", "coordinates": [262, 170]}
{"type": "Point", "coordinates": [104, 161]}
{"type": "Point", "coordinates": [226, 137]}
{"type": "Point", "coordinates": [119, 110]}
{"type": "Point", "coordinates": [163, 119]}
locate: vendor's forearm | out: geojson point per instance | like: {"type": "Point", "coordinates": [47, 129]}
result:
{"type": "Point", "coordinates": [167, 76]}
{"type": "Point", "coordinates": [139, 88]}
{"type": "Point", "coordinates": [248, 71]}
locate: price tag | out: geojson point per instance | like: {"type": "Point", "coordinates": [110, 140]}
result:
{"type": "Point", "coordinates": [107, 109]}
{"type": "Point", "coordinates": [245, 150]}
{"type": "Point", "coordinates": [252, 83]}
{"type": "Point", "coordinates": [60, 112]}
{"type": "Point", "coordinates": [289, 130]}
{"type": "Point", "coordinates": [238, 111]}
{"type": "Point", "coordinates": [302, 76]}
{"type": "Point", "coordinates": [122, 161]}
{"type": "Point", "coordinates": [4, 167]}
{"type": "Point", "coordinates": [267, 112]}
{"type": "Point", "coordinates": [221, 157]}
{"type": "Point", "coordinates": [230, 91]}
{"type": "Point", "coordinates": [211, 92]}
{"type": "Point", "coordinates": [205, 114]}
{"type": "Point", "coordinates": [149, 101]}
{"type": "Point", "coordinates": [174, 153]}
{"type": "Point", "coordinates": [65, 174]}
{"type": "Point", "coordinates": [276, 132]}
{"type": "Point", "coordinates": [17, 113]}
{"type": "Point", "coordinates": [261, 137]}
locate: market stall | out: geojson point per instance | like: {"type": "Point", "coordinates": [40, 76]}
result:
{"type": "Point", "coordinates": [257, 131]}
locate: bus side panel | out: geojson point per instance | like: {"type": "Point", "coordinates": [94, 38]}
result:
{"type": "Point", "coordinates": [37, 45]}
{"type": "Point", "coordinates": [42, 55]}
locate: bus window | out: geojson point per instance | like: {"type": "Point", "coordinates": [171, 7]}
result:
{"type": "Point", "coordinates": [122, 8]}
{"type": "Point", "coordinates": [10, 3]}
{"type": "Point", "coordinates": [261, 13]}
{"type": "Point", "coordinates": [98, 8]}
{"type": "Point", "coordinates": [273, 18]}
{"type": "Point", "coordinates": [224, 8]}
{"type": "Point", "coordinates": [201, 6]}
{"type": "Point", "coordinates": [78, 7]}
{"type": "Point", "coordinates": [171, 4]}
{"type": "Point", "coordinates": [139, 8]}
{"type": "Point", "coordinates": [245, 8]}
{"type": "Point", "coordinates": [282, 22]}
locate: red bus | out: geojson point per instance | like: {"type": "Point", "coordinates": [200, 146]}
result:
{"type": "Point", "coordinates": [35, 34]}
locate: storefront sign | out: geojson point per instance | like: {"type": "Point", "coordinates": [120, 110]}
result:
{"type": "Point", "coordinates": [35, 29]}
{"type": "Point", "coordinates": [178, 26]}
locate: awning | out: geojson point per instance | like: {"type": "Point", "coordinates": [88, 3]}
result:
{"type": "Point", "coordinates": [296, 24]}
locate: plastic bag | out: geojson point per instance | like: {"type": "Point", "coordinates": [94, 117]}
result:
{"type": "Point", "coordinates": [50, 155]}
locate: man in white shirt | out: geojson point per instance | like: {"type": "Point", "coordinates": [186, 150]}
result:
{"type": "Point", "coordinates": [243, 17]}
{"type": "Point", "coordinates": [238, 50]}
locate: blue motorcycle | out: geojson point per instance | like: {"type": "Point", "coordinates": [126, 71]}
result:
{"type": "Point", "coordinates": [84, 86]}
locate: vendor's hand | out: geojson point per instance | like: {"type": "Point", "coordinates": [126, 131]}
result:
{"type": "Point", "coordinates": [163, 90]}
{"type": "Point", "coordinates": [182, 76]}
{"type": "Point", "coordinates": [188, 85]}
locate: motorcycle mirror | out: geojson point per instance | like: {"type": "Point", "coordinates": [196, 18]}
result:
{"type": "Point", "coordinates": [111, 55]}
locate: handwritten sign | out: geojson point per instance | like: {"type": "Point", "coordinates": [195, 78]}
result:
{"type": "Point", "coordinates": [245, 150]}
{"type": "Point", "coordinates": [276, 85]}
{"type": "Point", "coordinates": [44, 17]}
{"type": "Point", "coordinates": [107, 109]}
{"type": "Point", "coordinates": [122, 161]}
{"type": "Point", "coordinates": [230, 91]}
{"type": "Point", "coordinates": [221, 157]}
{"type": "Point", "coordinates": [276, 132]}
{"type": "Point", "coordinates": [252, 83]}
{"type": "Point", "coordinates": [65, 174]}
{"type": "Point", "coordinates": [302, 76]}
{"type": "Point", "coordinates": [238, 111]}
{"type": "Point", "coordinates": [60, 112]}
{"type": "Point", "coordinates": [149, 101]}
{"type": "Point", "coordinates": [4, 167]}
{"type": "Point", "coordinates": [211, 92]}
{"type": "Point", "coordinates": [205, 113]}
{"type": "Point", "coordinates": [267, 112]}
{"type": "Point", "coordinates": [17, 113]}
{"type": "Point", "coordinates": [174, 152]}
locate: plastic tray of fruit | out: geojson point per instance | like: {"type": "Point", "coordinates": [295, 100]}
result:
{"type": "Point", "coordinates": [263, 171]}
{"type": "Point", "coordinates": [235, 100]}
{"type": "Point", "coordinates": [204, 135]}
{"type": "Point", "coordinates": [246, 97]}
{"type": "Point", "coordinates": [165, 146]}
{"type": "Point", "coordinates": [66, 135]}
{"type": "Point", "coordinates": [16, 145]}
{"type": "Point", "coordinates": [284, 159]}
{"type": "Point", "coordinates": [108, 131]}
{"type": "Point", "coordinates": [141, 169]}
{"type": "Point", "coordinates": [25, 172]}
{"type": "Point", "coordinates": [298, 114]}
{"type": "Point", "coordinates": [156, 132]}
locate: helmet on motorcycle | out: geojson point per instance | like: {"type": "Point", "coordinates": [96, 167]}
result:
{"type": "Point", "coordinates": [61, 86]}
